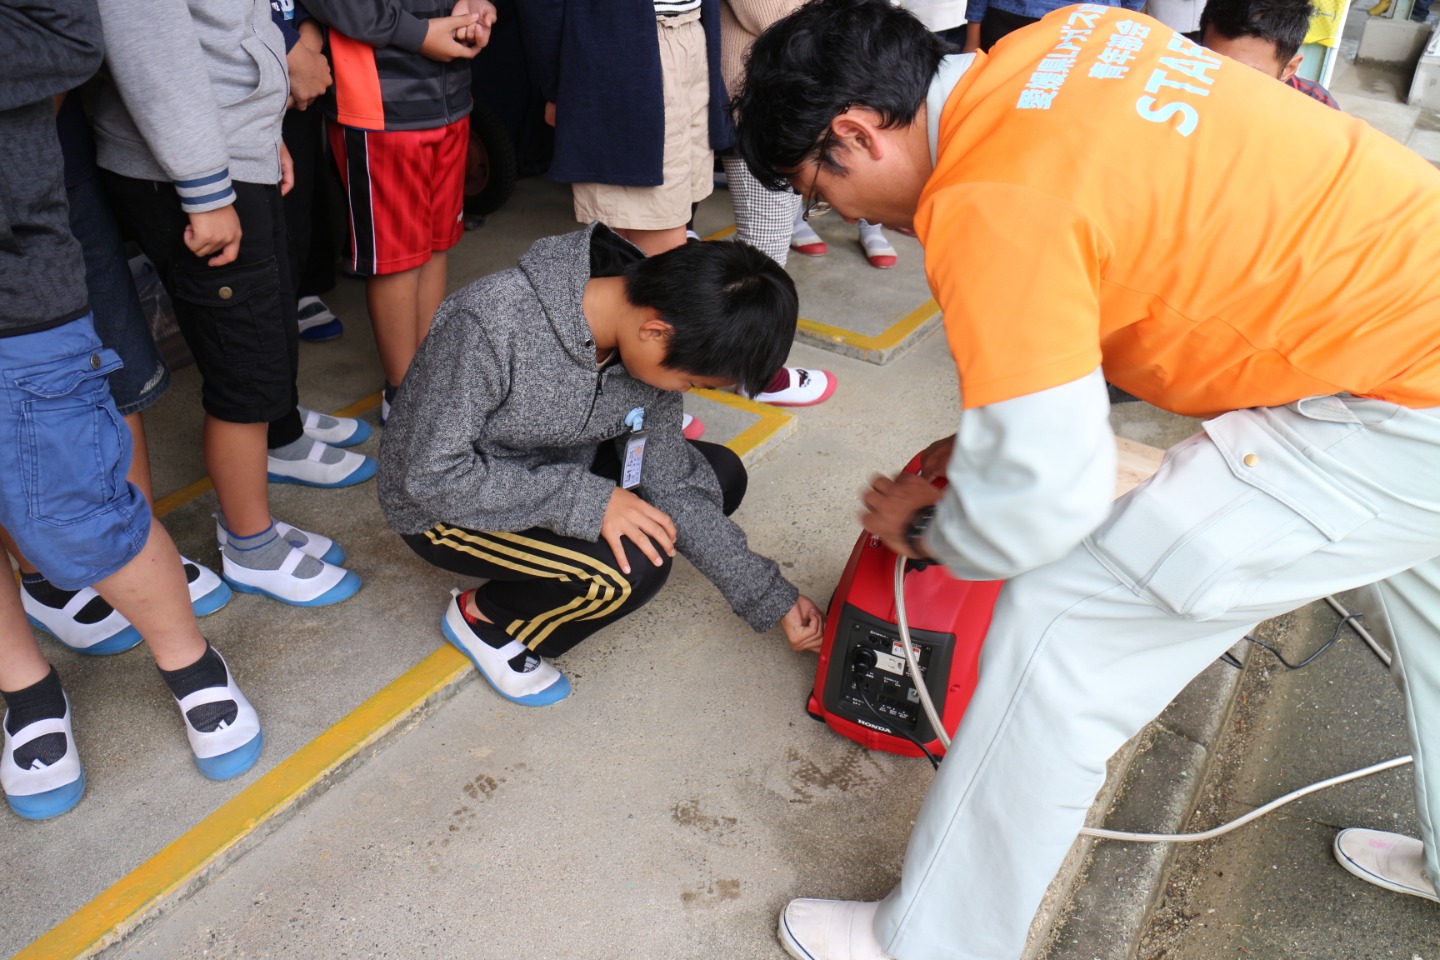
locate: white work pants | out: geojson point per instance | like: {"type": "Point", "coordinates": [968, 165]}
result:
{"type": "Point", "coordinates": [1264, 511]}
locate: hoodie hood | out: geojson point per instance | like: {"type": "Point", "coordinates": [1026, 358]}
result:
{"type": "Point", "coordinates": [558, 269]}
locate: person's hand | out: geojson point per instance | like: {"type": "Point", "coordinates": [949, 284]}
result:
{"type": "Point", "coordinates": [550, 114]}
{"type": "Point", "coordinates": [287, 170]}
{"type": "Point", "coordinates": [309, 72]}
{"type": "Point", "coordinates": [935, 459]}
{"type": "Point", "coordinates": [476, 35]}
{"type": "Point", "coordinates": [440, 43]}
{"type": "Point", "coordinates": [972, 38]}
{"type": "Point", "coordinates": [804, 625]}
{"type": "Point", "coordinates": [311, 35]}
{"type": "Point", "coordinates": [890, 505]}
{"type": "Point", "coordinates": [629, 517]}
{"type": "Point", "coordinates": [214, 231]}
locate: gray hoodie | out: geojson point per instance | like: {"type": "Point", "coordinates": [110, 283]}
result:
{"type": "Point", "coordinates": [497, 423]}
{"type": "Point", "coordinates": [192, 93]}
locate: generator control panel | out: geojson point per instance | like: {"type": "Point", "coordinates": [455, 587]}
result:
{"type": "Point", "coordinates": [873, 687]}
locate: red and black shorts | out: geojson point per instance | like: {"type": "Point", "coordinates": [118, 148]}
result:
{"type": "Point", "coordinates": [405, 190]}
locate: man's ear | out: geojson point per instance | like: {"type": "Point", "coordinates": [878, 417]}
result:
{"type": "Point", "coordinates": [860, 128]}
{"type": "Point", "coordinates": [1292, 66]}
{"type": "Point", "coordinates": [653, 328]}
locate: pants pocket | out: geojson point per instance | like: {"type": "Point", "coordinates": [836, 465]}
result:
{"type": "Point", "coordinates": [1227, 509]}
{"type": "Point", "coordinates": [73, 444]}
{"type": "Point", "coordinates": [236, 331]}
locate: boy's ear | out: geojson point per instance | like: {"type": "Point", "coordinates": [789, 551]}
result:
{"type": "Point", "coordinates": [1292, 66]}
{"type": "Point", "coordinates": [653, 328]}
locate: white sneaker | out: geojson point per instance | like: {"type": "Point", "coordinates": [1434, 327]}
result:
{"type": "Point", "coordinates": [113, 634]}
{"type": "Point", "coordinates": [805, 388]}
{"type": "Point", "coordinates": [539, 686]}
{"type": "Point", "coordinates": [331, 585]}
{"type": "Point", "coordinates": [344, 469]}
{"type": "Point", "coordinates": [317, 546]}
{"type": "Point", "coordinates": [830, 930]}
{"type": "Point", "coordinates": [226, 745]}
{"type": "Point", "coordinates": [336, 431]}
{"type": "Point", "coordinates": [40, 790]}
{"type": "Point", "coordinates": [208, 592]}
{"type": "Point", "coordinates": [1387, 860]}
{"type": "Point", "coordinates": [316, 321]}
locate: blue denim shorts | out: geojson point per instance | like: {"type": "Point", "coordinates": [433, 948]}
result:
{"type": "Point", "coordinates": [65, 498]}
{"type": "Point", "coordinates": [119, 319]}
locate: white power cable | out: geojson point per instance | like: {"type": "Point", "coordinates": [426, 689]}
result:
{"type": "Point", "coordinates": [902, 621]}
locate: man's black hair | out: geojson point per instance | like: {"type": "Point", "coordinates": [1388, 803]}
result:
{"type": "Point", "coordinates": [733, 309]}
{"type": "Point", "coordinates": [1281, 22]}
{"type": "Point", "coordinates": [816, 63]}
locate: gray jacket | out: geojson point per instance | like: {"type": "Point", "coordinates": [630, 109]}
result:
{"type": "Point", "coordinates": [49, 47]}
{"type": "Point", "coordinates": [193, 92]}
{"type": "Point", "coordinates": [500, 415]}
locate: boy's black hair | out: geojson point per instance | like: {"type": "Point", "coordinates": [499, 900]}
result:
{"type": "Point", "coordinates": [733, 309]}
{"type": "Point", "coordinates": [816, 63]}
{"type": "Point", "coordinates": [1281, 22]}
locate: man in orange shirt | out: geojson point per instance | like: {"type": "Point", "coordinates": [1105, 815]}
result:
{"type": "Point", "coordinates": [1101, 198]}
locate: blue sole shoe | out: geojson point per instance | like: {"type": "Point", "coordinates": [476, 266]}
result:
{"type": "Point", "coordinates": [348, 586]}
{"type": "Point", "coordinates": [558, 689]}
{"type": "Point", "coordinates": [361, 473]}
{"type": "Point", "coordinates": [51, 803]}
{"type": "Point", "coordinates": [232, 764]}
{"type": "Point", "coordinates": [115, 643]}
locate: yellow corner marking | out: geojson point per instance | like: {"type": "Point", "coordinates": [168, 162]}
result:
{"type": "Point", "coordinates": [722, 234]}
{"type": "Point", "coordinates": [885, 340]}
{"type": "Point", "coordinates": [771, 419]}
{"type": "Point", "coordinates": [105, 919]}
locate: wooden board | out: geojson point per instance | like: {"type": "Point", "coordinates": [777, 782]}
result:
{"type": "Point", "coordinates": [1136, 463]}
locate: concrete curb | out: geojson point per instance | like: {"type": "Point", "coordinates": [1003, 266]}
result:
{"type": "Point", "coordinates": [1099, 903]}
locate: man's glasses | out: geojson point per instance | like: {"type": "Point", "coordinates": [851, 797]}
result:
{"type": "Point", "coordinates": [814, 206]}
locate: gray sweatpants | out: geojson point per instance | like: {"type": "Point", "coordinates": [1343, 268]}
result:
{"type": "Point", "coordinates": [1264, 511]}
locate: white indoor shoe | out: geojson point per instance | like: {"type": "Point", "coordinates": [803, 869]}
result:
{"type": "Point", "coordinates": [1387, 860]}
{"type": "Point", "coordinates": [830, 930]}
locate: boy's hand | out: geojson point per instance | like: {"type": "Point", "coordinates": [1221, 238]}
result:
{"type": "Point", "coordinates": [935, 460]}
{"type": "Point", "coordinates": [627, 516]}
{"type": "Point", "coordinates": [287, 170]}
{"type": "Point", "coordinates": [476, 35]}
{"type": "Point", "coordinates": [309, 70]}
{"type": "Point", "coordinates": [804, 625]}
{"type": "Point", "coordinates": [212, 231]}
{"type": "Point", "coordinates": [440, 43]}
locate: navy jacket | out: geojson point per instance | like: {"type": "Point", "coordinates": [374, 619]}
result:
{"type": "Point", "coordinates": [598, 61]}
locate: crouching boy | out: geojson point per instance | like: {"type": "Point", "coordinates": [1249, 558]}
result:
{"type": "Point", "coordinates": [536, 444]}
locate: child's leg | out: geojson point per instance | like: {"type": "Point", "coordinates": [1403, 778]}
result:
{"type": "Point", "coordinates": [394, 303]}
{"type": "Point", "coordinates": [239, 321]}
{"type": "Point", "coordinates": [545, 591]}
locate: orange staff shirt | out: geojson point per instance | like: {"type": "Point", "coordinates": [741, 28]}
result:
{"type": "Point", "coordinates": [1110, 194]}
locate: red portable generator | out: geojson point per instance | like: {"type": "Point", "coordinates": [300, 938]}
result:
{"type": "Point", "coordinates": [862, 687]}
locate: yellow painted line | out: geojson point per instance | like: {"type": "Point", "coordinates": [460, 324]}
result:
{"type": "Point", "coordinates": [885, 340]}
{"type": "Point", "coordinates": [722, 234]}
{"type": "Point", "coordinates": [107, 918]}
{"type": "Point", "coordinates": [770, 420]}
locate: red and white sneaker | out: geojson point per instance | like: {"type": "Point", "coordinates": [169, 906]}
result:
{"type": "Point", "coordinates": [692, 427]}
{"type": "Point", "coordinates": [796, 387]}
{"type": "Point", "coordinates": [804, 240]}
{"type": "Point", "coordinates": [878, 250]}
